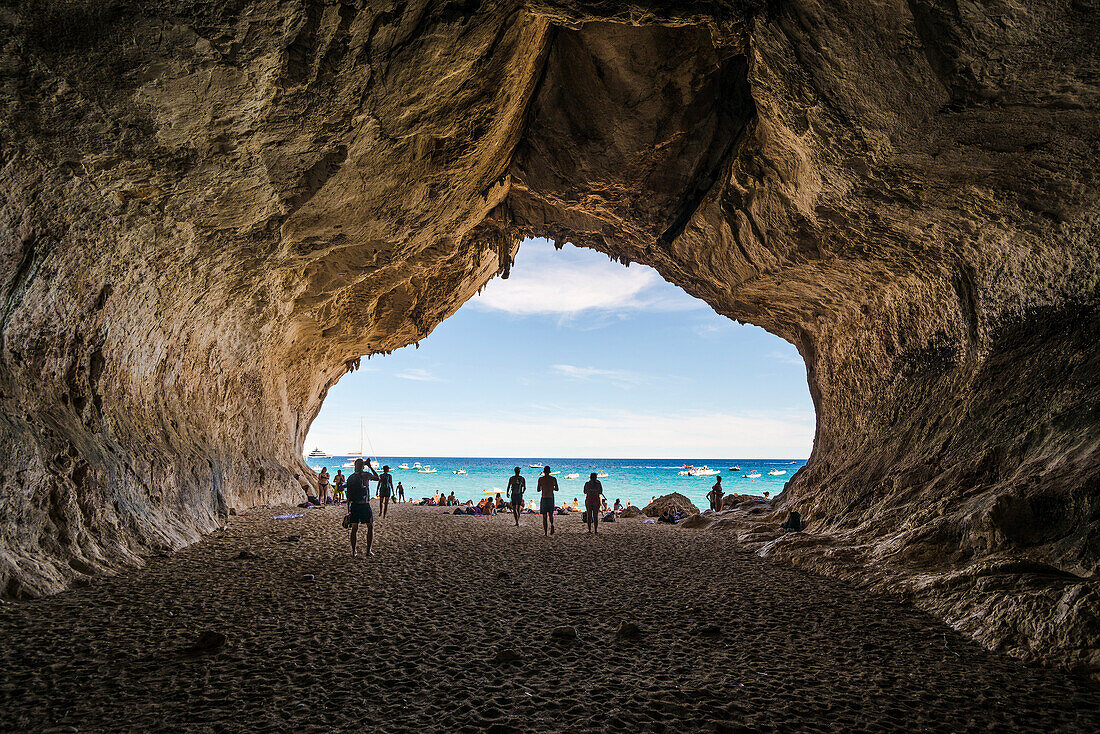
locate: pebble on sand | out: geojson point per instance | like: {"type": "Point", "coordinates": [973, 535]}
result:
{"type": "Point", "coordinates": [207, 641]}
{"type": "Point", "coordinates": [564, 632]}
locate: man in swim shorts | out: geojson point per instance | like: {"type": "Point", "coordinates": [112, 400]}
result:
{"type": "Point", "coordinates": [593, 490]}
{"type": "Point", "coordinates": [547, 486]}
{"type": "Point", "coordinates": [517, 485]}
{"type": "Point", "coordinates": [359, 509]}
{"type": "Point", "coordinates": [385, 490]}
{"type": "Point", "coordinates": [400, 493]}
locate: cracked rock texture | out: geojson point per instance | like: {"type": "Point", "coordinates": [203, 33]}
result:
{"type": "Point", "coordinates": [210, 210]}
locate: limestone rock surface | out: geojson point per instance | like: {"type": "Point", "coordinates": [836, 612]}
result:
{"type": "Point", "coordinates": [675, 502]}
{"type": "Point", "coordinates": [209, 211]}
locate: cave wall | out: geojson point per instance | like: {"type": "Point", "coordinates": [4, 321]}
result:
{"type": "Point", "coordinates": [211, 210]}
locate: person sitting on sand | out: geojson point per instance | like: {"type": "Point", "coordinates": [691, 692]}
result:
{"type": "Point", "coordinates": [385, 490]}
{"type": "Point", "coordinates": [451, 501]}
{"type": "Point", "coordinates": [517, 485]}
{"type": "Point", "coordinates": [603, 505]}
{"type": "Point", "coordinates": [359, 509]}
{"type": "Point", "coordinates": [593, 491]}
{"type": "Point", "coordinates": [767, 494]}
{"type": "Point", "coordinates": [618, 506]}
{"type": "Point", "coordinates": [576, 506]}
{"type": "Point", "coordinates": [715, 494]}
{"type": "Point", "coordinates": [322, 485]}
{"type": "Point", "coordinates": [547, 486]}
{"type": "Point", "coordinates": [435, 498]}
{"type": "Point", "coordinates": [400, 493]}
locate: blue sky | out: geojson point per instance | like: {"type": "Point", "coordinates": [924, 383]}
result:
{"type": "Point", "coordinates": [577, 356]}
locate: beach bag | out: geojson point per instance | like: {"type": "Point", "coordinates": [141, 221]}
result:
{"type": "Point", "coordinates": [584, 516]}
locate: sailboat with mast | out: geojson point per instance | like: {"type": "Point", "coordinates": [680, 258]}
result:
{"type": "Point", "coordinates": [359, 453]}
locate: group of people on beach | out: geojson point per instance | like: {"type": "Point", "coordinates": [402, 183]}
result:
{"type": "Point", "coordinates": [356, 489]}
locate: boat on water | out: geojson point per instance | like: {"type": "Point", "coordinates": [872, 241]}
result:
{"type": "Point", "coordinates": [318, 454]}
{"type": "Point", "coordinates": [403, 466]}
{"type": "Point", "coordinates": [458, 471]}
{"type": "Point", "coordinates": [426, 470]}
{"type": "Point", "coordinates": [554, 473]}
{"type": "Point", "coordinates": [601, 475]}
{"type": "Point", "coordinates": [573, 476]}
{"type": "Point", "coordinates": [535, 466]}
{"type": "Point", "coordinates": [416, 465]}
{"type": "Point", "coordinates": [348, 465]}
{"type": "Point", "coordinates": [698, 471]}
{"type": "Point", "coordinates": [751, 475]}
{"type": "Point", "coordinates": [735, 468]}
{"type": "Point", "coordinates": [777, 472]}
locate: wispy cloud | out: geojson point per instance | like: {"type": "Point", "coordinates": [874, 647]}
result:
{"type": "Point", "coordinates": [620, 378]}
{"type": "Point", "coordinates": [418, 375]}
{"type": "Point", "coordinates": [788, 358]}
{"type": "Point", "coordinates": [544, 281]}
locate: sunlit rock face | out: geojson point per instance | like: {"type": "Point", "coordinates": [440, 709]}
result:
{"type": "Point", "coordinates": [210, 210]}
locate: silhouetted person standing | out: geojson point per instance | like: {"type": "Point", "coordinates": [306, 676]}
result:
{"type": "Point", "coordinates": [593, 490]}
{"type": "Point", "coordinates": [547, 486]}
{"type": "Point", "coordinates": [400, 493]}
{"type": "Point", "coordinates": [517, 485]}
{"type": "Point", "coordinates": [385, 490]}
{"type": "Point", "coordinates": [359, 509]}
{"type": "Point", "coordinates": [715, 494]}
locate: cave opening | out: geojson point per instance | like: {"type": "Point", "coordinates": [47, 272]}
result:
{"type": "Point", "coordinates": [586, 364]}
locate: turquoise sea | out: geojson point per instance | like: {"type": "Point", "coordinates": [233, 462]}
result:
{"type": "Point", "coordinates": [636, 480]}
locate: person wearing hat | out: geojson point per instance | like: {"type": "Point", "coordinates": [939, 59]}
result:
{"type": "Point", "coordinates": [385, 490]}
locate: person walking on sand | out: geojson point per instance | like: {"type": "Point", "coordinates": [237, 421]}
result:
{"type": "Point", "coordinates": [385, 491]}
{"type": "Point", "coordinates": [400, 493]}
{"type": "Point", "coordinates": [593, 491]}
{"type": "Point", "coordinates": [517, 485]}
{"type": "Point", "coordinates": [359, 509]}
{"type": "Point", "coordinates": [715, 494]}
{"type": "Point", "coordinates": [547, 486]}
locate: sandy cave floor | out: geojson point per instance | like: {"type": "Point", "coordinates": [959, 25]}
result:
{"type": "Point", "coordinates": [406, 641]}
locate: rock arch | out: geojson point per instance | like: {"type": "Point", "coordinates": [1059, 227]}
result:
{"type": "Point", "coordinates": [211, 210]}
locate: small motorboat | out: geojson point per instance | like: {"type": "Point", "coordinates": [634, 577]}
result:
{"type": "Point", "coordinates": [403, 466]}
{"type": "Point", "coordinates": [735, 468]}
{"type": "Point", "coordinates": [426, 470]}
{"type": "Point", "coordinates": [554, 473]}
{"type": "Point", "coordinates": [459, 471]}
{"type": "Point", "coordinates": [751, 475]}
{"type": "Point", "coordinates": [535, 466]}
{"type": "Point", "coordinates": [777, 472]}
{"type": "Point", "coordinates": [573, 476]}
{"type": "Point", "coordinates": [416, 465]}
{"type": "Point", "coordinates": [601, 475]}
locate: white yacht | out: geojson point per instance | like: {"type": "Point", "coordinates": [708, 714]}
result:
{"type": "Point", "coordinates": [416, 465]}
{"type": "Point", "coordinates": [698, 471]}
{"type": "Point", "coordinates": [751, 475]}
{"type": "Point", "coordinates": [318, 454]}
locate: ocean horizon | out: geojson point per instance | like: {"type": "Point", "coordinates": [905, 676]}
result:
{"type": "Point", "coordinates": [636, 480]}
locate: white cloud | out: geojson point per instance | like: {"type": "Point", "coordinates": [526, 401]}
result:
{"type": "Point", "coordinates": [788, 358]}
{"type": "Point", "coordinates": [418, 375]}
{"type": "Point", "coordinates": [620, 378]}
{"type": "Point", "coordinates": [599, 433]}
{"type": "Point", "coordinates": [544, 281]}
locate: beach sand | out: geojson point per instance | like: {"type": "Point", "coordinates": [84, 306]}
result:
{"type": "Point", "coordinates": [448, 628]}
